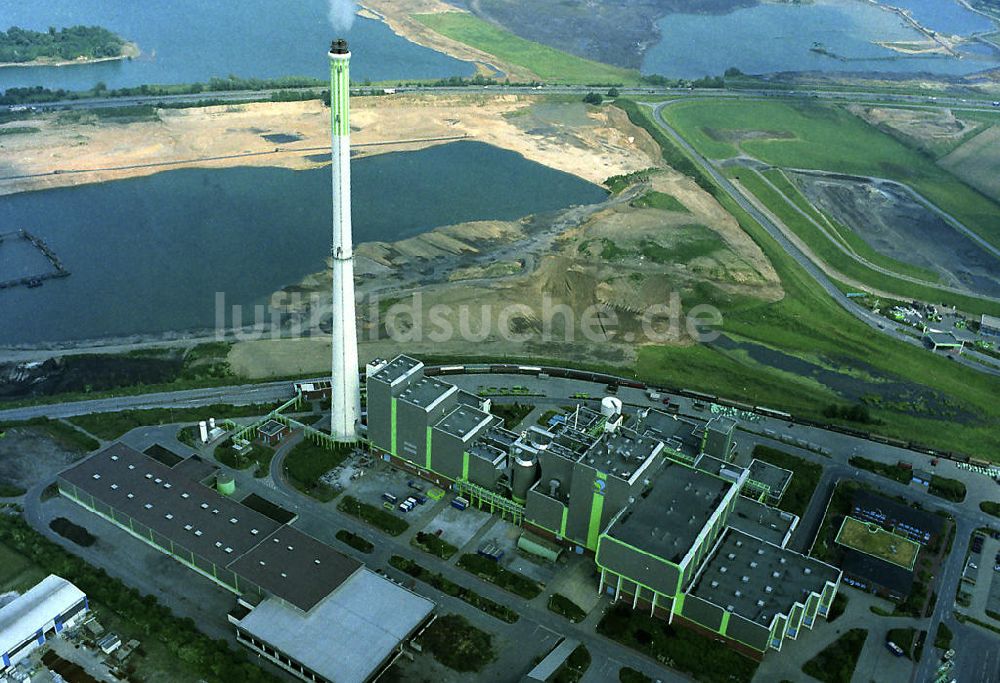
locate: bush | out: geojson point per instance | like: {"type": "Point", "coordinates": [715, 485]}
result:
{"type": "Point", "coordinates": [678, 648]}
{"type": "Point", "coordinates": [900, 474]}
{"type": "Point", "coordinates": [432, 544]}
{"type": "Point", "coordinates": [575, 666]}
{"type": "Point", "coordinates": [949, 489]}
{"type": "Point", "coordinates": [491, 571]}
{"type": "Point", "coordinates": [943, 637]}
{"type": "Point", "coordinates": [449, 587]}
{"type": "Point", "coordinates": [10, 490]}
{"type": "Point", "coordinates": [359, 543]}
{"type": "Point", "coordinates": [307, 462]}
{"type": "Point", "coordinates": [836, 663]}
{"type": "Point", "coordinates": [458, 644]}
{"type": "Point", "coordinates": [377, 517]}
{"type": "Point", "coordinates": [565, 607]}
{"type": "Point", "coordinates": [594, 98]}
{"type": "Point", "coordinates": [990, 508]}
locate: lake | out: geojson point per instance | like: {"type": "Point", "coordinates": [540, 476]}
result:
{"type": "Point", "coordinates": [148, 254]}
{"type": "Point", "coordinates": [184, 41]}
{"type": "Point", "coordinates": [772, 38]}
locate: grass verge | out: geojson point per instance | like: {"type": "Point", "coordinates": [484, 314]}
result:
{"type": "Point", "coordinates": [449, 587]}
{"type": "Point", "coordinates": [359, 543]}
{"type": "Point", "coordinates": [565, 607]}
{"type": "Point", "coordinates": [458, 644]}
{"type": "Point", "coordinates": [835, 664]}
{"type": "Point", "coordinates": [377, 517]}
{"type": "Point", "coordinates": [434, 545]}
{"type": "Point", "coordinates": [491, 571]}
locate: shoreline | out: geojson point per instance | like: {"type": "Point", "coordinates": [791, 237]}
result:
{"type": "Point", "coordinates": [129, 51]}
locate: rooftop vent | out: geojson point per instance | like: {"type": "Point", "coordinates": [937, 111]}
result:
{"type": "Point", "coordinates": [149, 476]}
{"type": "Point", "coordinates": [130, 496]}
{"type": "Point", "coordinates": [185, 495]}
{"type": "Point", "coordinates": [229, 550]}
{"type": "Point", "coordinates": [753, 565]}
{"type": "Point", "coordinates": [254, 532]}
{"type": "Point", "coordinates": [204, 506]}
{"type": "Point", "coordinates": [808, 570]}
{"type": "Point", "coordinates": [731, 556]}
{"type": "Point", "coordinates": [768, 589]}
{"type": "Point", "coordinates": [197, 532]}
{"type": "Point", "coordinates": [232, 520]}
{"type": "Point", "coordinates": [114, 487]}
{"type": "Point", "coordinates": [188, 527]}
{"type": "Point", "coordinates": [738, 594]}
{"type": "Point", "coordinates": [158, 480]}
{"type": "Point", "coordinates": [782, 560]}
{"type": "Point", "coordinates": [739, 543]}
{"type": "Point", "coordinates": [148, 506]}
{"type": "Point", "coordinates": [775, 574]}
{"type": "Point", "coordinates": [745, 578]}
{"type": "Point", "coordinates": [218, 544]}
{"type": "Point", "coordinates": [168, 516]}
{"type": "Point", "coordinates": [114, 457]}
{"type": "Point", "coordinates": [760, 551]}
{"type": "Point", "coordinates": [760, 603]}
{"type": "Point", "coordinates": [97, 476]}
{"type": "Point", "coordinates": [715, 584]}
{"type": "Point", "coordinates": [723, 570]}
{"type": "Point", "coordinates": [316, 561]}
{"type": "Point", "coordinates": [131, 467]}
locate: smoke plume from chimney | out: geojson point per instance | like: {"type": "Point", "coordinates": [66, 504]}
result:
{"type": "Point", "coordinates": [342, 15]}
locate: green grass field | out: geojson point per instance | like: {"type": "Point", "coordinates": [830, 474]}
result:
{"type": "Point", "coordinates": [808, 324]}
{"type": "Point", "coordinates": [17, 572]}
{"type": "Point", "coordinates": [549, 64]}
{"type": "Point", "coordinates": [877, 542]}
{"type": "Point", "coordinates": [824, 137]}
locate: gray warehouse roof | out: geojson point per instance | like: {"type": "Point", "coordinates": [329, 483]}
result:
{"type": "Point", "coordinates": [757, 580]}
{"type": "Point", "coordinates": [398, 367]}
{"type": "Point", "coordinates": [462, 421]}
{"type": "Point", "coordinates": [348, 635]}
{"type": "Point", "coordinates": [426, 392]}
{"type": "Point", "coordinates": [774, 477]}
{"type": "Point", "coordinates": [221, 530]}
{"type": "Point", "coordinates": [767, 523]}
{"type": "Point", "coordinates": [667, 521]}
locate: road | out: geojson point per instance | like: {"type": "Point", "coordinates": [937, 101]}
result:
{"type": "Point", "coordinates": [875, 322]}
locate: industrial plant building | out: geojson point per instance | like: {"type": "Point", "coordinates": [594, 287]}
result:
{"type": "Point", "coordinates": [41, 613]}
{"type": "Point", "coordinates": [675, 526]}
{"type": "Point", "coordinates": [287, 581]}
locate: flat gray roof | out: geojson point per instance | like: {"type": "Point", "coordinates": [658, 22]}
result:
{"type": "Point", "coordinates": [764, 522]}
{"type": "Point", "coordinates": [296, 567]}
{"type": "Point", "coordinates": [757, 580]}
{"type": "Point", "coordinates": [621, 454]}
{"type": "Point", "coordinates": [221, 530]}
{"type": "Point", "coordinates": [462, 420]}
{"type": "Point", "coordinates": [426, 392]}
{"type": "Point", "coordinates": [774, 477]}
{"type": "Point", "coordinates": [544, 670]}
{"type": "Point", "coordinates": [398, 367]}
{"type": "Point", "coordinates": [667, 521]}
{"type": "Point", "coordinates": [721, 424]}
{"type": "Point", "coordinates": [350, 633]}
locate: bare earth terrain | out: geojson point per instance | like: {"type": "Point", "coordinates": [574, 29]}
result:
{"type": "Point", "coordinates": [598, 143]}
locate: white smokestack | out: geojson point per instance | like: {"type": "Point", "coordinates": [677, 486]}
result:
{"type": "Point", "coordinates": [342, 14]}
{"type": "Point", "coordinates": [345, 395]}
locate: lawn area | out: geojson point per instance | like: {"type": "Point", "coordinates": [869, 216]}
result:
{"type": "Point", "coordinates": [64, 434]}
{"type": "Point", "coordinates": [259, 456]}
{"type": "Point", "coordinates": [512, 413]}
{"type": "Point", "coordinates": [990, 508]}
{"type": "Point", "coordinates": [377, 517]}
{"type": "Point", "coordinates": [110, 426]}
{"type": "Point", "coordinates": [811, 135]}
{"type": "Point", "coordinates": [905, 638]}
{"type": "Point", "coordinates": [805, 477]}
{"type": "Point", "coordinates": [659, 200]}
{"type": "Point", "coordinates": [889, 471]}
{"type": "Point", "coordinates": [836, 663]}
{"type": "Point", "coordinates": [17, 572]}
{"type": "Point", "coordinates": [949, 489]}
{"type": "Point", "coordinates": [565, 607]}
{"type": "Point", "coordinates": [872, 539]}
{"type": "Point", "coordinates": [549, 64]}
{"type": "Point", "coordinates": [491, 571]}
{"type": "Point", "coordinates": [701, 658]}
{"type": "Point", "coordinates": [458, 644]}
{"type": "Point", "coordinates": [307, 462]}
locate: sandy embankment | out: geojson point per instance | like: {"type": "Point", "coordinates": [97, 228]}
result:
{"type": "Point", "coordinates": [62, 154]}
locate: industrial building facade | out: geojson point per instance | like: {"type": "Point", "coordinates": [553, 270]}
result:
{"type": "Point", "coordinates": [42, 612]}
{"type": "Point", "coordinates": [287, 582]}
{"type": "Point", "coordinates": [650, 495]}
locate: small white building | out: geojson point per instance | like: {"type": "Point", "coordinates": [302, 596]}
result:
{"type": "Point", "coordinates": [41, 613]}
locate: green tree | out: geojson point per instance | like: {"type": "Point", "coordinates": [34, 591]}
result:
{"type": "Point", "coordinates": [593, 98]}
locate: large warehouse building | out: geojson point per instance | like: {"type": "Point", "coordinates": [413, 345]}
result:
{"type": "Point", "coordinates": [288, 581]}
{"type": "Point", "coordinates": [28, 620]}
{"type": "Point", "coordinates": [651, 495]}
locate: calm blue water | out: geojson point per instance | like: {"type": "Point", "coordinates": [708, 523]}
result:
{"type": "Point", "coordinates": [184, 41]}
{"type": "Point", "coordinates": [148, 254]}
{"type": "Point", "coordinates": [778, 37]}
{"type": "Point", "coordinates": [946, 16]}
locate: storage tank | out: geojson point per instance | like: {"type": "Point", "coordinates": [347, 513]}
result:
{"type": "Point", "coordinates": [611, 406]}
{"type": "Point", "coordinates": [203, 431]}
{"type": "Point", "coordinates": [225, 484]}
{"type": "Point", "coordinates": [524, 473]}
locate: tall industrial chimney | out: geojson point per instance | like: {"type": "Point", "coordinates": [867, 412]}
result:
{"type": "Point", "coordinates": [345, 394]}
